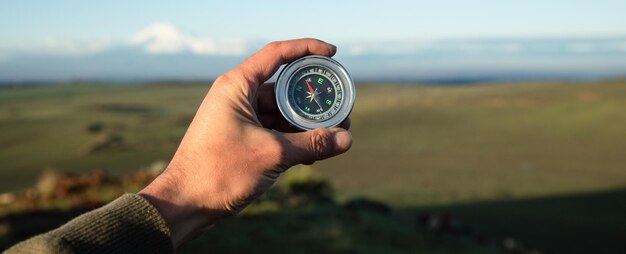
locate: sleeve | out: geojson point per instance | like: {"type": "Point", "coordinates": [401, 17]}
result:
{"type": "Point", "coordinates": [129, 224]}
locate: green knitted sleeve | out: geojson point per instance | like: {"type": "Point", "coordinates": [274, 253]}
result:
{"type": "Point", "coordinates": [129, 224]}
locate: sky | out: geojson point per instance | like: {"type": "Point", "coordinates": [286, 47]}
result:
{"type": "Point", "coordinates": [30, 22]}
{"type": "Point", "coordinates": [80, 28]}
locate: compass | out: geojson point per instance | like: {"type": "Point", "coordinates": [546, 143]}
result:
{"type": "Point", "coordinates": [315, 92]}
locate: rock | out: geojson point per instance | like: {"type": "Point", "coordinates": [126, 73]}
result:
{"type": "Point", "coordinates": [157, 167]}
{"type": "Point", "coordinates": [47, 182]}
{"type": "Point", "coordinates": [94, 128]}
{"type": "Point", "coordinates": [440, 223]}
{"type": "Point", "coordinates": [445, 223]}
{"type": "Point", "coordinates": [7, 198]}
{"type": "Point", "coordinates": [511, 245]}
{"type": "Point", "coordinates": [53, 184]}
{"type": "Point", "coordinates": [140, 178]}
{"type": "Point", "coordinates": [106, 141]}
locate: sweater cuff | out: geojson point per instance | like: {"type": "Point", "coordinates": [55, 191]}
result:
{"type": "Point", "coordinates": [129, 224]}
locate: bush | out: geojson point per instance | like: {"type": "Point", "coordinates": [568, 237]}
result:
{"type": "Point", "coordinates": [302, 185]}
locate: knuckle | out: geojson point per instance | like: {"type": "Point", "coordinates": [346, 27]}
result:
{"type": "Point", "coordinates": [230, 77]}
{"type": "Point", "coordinates": [224, 83]}
{"type": "Point", "coordinates": [239, 75]}
{"type": "Point", "coordinates": [224, 78]}
{"type": "Point", "coordinates": [321, 142]}
{"type": "Point", "coordinates": [273, 45]}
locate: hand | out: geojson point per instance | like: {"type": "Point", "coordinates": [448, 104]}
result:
{"type": "Point", "coordinates": [238, 144]}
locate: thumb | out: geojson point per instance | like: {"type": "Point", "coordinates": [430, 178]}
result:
{"type": "Point", "coordinates": [310, 146]}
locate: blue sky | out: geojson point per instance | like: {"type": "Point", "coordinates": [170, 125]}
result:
{"type": "Point", "coordinates": [80, 29]}
{"type": "Point", "coordinates": [29, 22]}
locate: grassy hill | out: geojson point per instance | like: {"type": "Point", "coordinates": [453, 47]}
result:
{"type": "Point", "coordinates": [480, 142]}
{"type": "Point", "coordinates": [541, 161]}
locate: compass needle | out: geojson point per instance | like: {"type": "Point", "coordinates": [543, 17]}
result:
{"type": "Point", "coordinates": [317, 99]}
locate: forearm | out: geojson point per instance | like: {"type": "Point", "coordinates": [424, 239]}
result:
{"type": "Point", "coordinates": [129, 224]}
{"type": "Point", "coordinates": [185, 218]}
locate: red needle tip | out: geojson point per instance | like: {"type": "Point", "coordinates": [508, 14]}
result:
{"type": "Point", "coordinates": [310, 88]}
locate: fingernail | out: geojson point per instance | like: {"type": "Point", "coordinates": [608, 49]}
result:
{"type": "Point", "coordinates": [334, 47]}
{"type": "Point", "coordinates": [343, 141]}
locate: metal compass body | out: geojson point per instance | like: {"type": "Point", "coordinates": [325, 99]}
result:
{"type": "Point", "coordinates": [315, 92]}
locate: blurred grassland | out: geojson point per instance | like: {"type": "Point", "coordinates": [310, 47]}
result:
{"type": "Point", "coordinates": [542, 160]}
{"type": "Point", "coordinates": [411, 143]}
{"type": "Point", "coordinates": [440, 144]}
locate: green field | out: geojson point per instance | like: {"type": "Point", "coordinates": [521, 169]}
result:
{"type": "Point", "coordinates": [543, 162]}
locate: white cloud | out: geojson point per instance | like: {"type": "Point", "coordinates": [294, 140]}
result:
{"type": "Point", "coordinates": [620, 46]}
{"type": "Point", "coordinates": [76, 47]}
{"type": "Point", "coordinates": [417, 46]}
{"type": "Point", "coordinates": [388, 47]}
{"type": "Point", "coordinates": [158, 38]}
{"type": "Point", "coordinates": [583, 47]}
{"type": "Point", "coordinates": [52, 46]}
{"type": "Point", "coordinates": [511, 48]}
{"type": "Point", "coordinates": [165, 38]}
{"type": "Point", "coordinates": [492, 47]}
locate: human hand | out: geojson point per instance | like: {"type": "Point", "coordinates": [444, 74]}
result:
{"type": "Point", "coordinates": [238, 144]}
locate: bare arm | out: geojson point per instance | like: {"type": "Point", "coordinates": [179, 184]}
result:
{"type": "Point", "coordinates": [230, 155]}
{"type": "Point", "coordinates": [236, 147]}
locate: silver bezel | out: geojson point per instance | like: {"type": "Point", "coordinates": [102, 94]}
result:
{"type": "Point", "coordinates": [345, 81]}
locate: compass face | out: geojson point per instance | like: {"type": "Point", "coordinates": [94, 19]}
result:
{"type": "Point", "coordinates": [314, 92]}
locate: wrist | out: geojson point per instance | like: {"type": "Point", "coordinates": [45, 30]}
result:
{"type": "Point", "coordinates": [184, 217]}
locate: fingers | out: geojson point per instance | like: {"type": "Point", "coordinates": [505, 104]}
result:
{"type": "Point", "coordinates": [282, 125]}
{"type": "Point", "coordinates": [266, 99]}
{"type": "Point", "coordinates": [310, 146]}
{"type": "Point", "coordinates": [277, 122]}
{"type": "Point", "coordinates": [346, 124]}
{"type": "Point", "coordinates": [263, 64]}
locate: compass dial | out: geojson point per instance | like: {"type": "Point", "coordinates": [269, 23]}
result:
{"type": "Point", "coordinates": [314, 92]}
